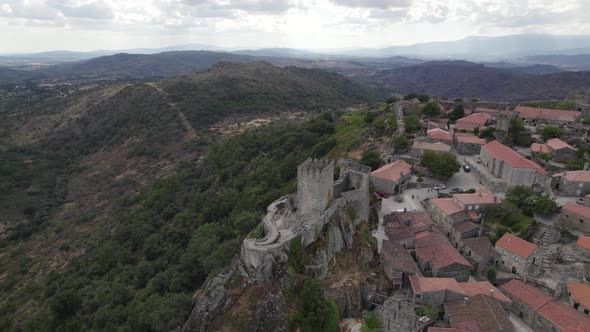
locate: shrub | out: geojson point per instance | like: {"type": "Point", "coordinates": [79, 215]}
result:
{"type": "Point", "coordinates": [372, 322]}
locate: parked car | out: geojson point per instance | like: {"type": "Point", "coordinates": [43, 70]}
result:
{"type": "Point", "coordinates": [457, 190]}
{"type": "Point", "coordinates": [444, 195]}
{"type": "Point", "coordinates": [439, 187]}
{"type": "Point", "coordinates": [466, 168]}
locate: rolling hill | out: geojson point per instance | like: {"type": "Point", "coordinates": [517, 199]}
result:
{"type": "Point", "coordinates": [465, 79]}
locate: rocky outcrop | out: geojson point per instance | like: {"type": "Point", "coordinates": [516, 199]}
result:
{"type": "Point", "coordinates": [270, 315]}
{"type": "Point", "coordinates": [348, 299]}
{"type": "Point", "coordinates": [338, 234]}
{"type": "Point", "coordinates": [209, 304]}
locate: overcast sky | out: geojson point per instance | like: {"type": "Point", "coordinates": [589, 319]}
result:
{"type": "Point", "coordinates": [41, 25]}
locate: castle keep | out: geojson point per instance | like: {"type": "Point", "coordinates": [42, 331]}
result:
{"type": "Point", "coordinates": [319, 198]}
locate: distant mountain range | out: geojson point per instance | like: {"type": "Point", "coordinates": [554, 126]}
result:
{"type": "Point", "coordinates": [505, 48]}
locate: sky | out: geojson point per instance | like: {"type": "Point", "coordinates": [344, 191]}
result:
{"type": "Point", "coordinates": [85, 25]}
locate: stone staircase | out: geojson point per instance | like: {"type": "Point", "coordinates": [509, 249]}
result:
{"type": "Point", "coordinates": [547, 238]}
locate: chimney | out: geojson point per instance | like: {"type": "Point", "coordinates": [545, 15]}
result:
{"type": "Point", "coordinates": [491, 293]}
{"type": "Point", "coordinates": [586, 165]}
{"type": "Point", "coordinates": [465, 300]}
{"type": "Point", "coordinates": [480, 194]}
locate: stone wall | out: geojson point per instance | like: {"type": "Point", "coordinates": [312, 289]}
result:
{"type": "Point", "coordinates": [573, 221]}
{"type": "Point", "coordinates": [315, 184]}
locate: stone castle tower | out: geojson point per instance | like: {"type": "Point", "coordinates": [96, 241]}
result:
{"type": "Point", "coordinates": [315, 187]}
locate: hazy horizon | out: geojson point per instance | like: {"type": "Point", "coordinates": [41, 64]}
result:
{"type": "Point", "coordinates": [89, 25]}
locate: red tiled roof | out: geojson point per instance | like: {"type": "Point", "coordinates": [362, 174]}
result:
{"type": "Point", "coordinates": [436, 146]}
{"type": "Point", "coordinates": [403, 225]}
{"type": "Point", "coordinates": [472, 139]}
{"type": "Point", "coordinates": [398, 258]}
{"type": "Point", "coordinates": [476, 118]}
{"type": "Point", "coordinates": [476, 198]}
{"type": "Point", "coordinates": [578, 209]}
{"type": "Point", "coordinates": [557, 144]}
{"type": "Point", "coordinates": [436, 248]}
{"type": "Point", "coordinates": [393, 171]}
{"type": "Point", "coordinates": [541, 148]}
{"type": "Point", "coordinates": [426, 285]}
{"type": "Point", "coordinates": [580, 293]}
{"type": "Point", "coordinates": [500, 151]}
{"type": "Point", "coordinates": [584, 242]}
{"type": "Point", "coordinates": [473, 288]}
{"type": "Point", "coordinates": [547, 114]}
{"type": "Point", "coordinates": [481, 246]}
{"type": "Point", "coordinates": [438, 133]}
{"type": "Point", "coordinates": [516, 245]}
{"type": "Point", "coordinates": [480, 314]}
{"type": "Point", "coordinates": [527, 294]}
{"type": "Point", "coordinates": [575, 176]}
{"type": "Point", "coordinates": [446, 205]}
{"type": "Point", "coordinates": [564, 317]}
{"type": "Point", "coordinates": [464, 227]}
{"type": "Point", "coordinates": [486, 110]}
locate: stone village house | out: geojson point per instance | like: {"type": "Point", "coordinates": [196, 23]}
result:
{"type": "Point", "coordinates": [517, 255]}
{"type": "Point", "coordinates": [575, 216]}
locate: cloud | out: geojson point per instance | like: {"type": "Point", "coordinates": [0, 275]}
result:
{"type": "Point", "coordinates": [383, 4]}
{"type": "Point", "coordinates": [93, 10]}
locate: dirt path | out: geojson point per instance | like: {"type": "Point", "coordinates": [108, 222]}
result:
{"type": "Point", "coordinates": [191, 132]}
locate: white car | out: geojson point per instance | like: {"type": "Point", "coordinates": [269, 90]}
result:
{"type": "Point", "coordinates": [440, 187]}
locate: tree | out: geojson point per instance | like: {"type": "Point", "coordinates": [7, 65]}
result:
{"type": "Point", "coordinates": [546, 204]}
{"type": "Point", "coordinates": [393, 123]}
{"type": "Point", "coordinates": [440, 166]}
{"type": "Point", "coordinates": [427, 310]}
{"type": "Point", "coordinates": [521, 195]}
{"type": "Point", "coordinates": [401, 143]}
{"type": "Point", "coordinates": [412, 122]}
{"type": "Point", "coordinates": [491, 273]}
{"type": "Point", "coordinates": [422, 97]}
{"type": "Point", "coordinates": [488, 133]}
{"type": "Point", "coordinates": [372, 322]}
{"type": "Point", "coordinates": [432, 109]}
{"type": "Point", "coordinates": [391, 99]}
{"type": "Point", "coordinates": [515, 129]}
{"type": "Point", "coordinates": [551, 132]}
{"type": "Point", "coordinates": [458, 100]}
{"type": "Point", "coordinates": [371, 158]}
{"type": "Point", "coordinates": [316, 313]}
{"type": "Point", "coordinates": [457, 113]}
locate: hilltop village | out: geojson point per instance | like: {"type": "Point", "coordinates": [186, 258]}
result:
{"type": "Point", "coordinates": [479, 220]}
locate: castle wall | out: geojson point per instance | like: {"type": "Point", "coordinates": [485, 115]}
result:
{"type": "Point", "coordinates": [315, 183]}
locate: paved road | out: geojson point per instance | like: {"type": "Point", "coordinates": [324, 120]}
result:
{"type": "Point", "coordinates": [464, 180]}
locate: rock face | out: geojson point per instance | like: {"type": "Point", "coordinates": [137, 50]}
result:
{"type": "Point", "coordinates": [209, 304]}
{"type": "Point", "coordinates": [338, 235]}
{"type": "Point", "coordinates": [270, 315]}
{"type": "Point", "coordinates": [348, 299]}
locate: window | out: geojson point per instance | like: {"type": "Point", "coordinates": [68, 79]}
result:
{"type": "Point", "coordinates": [576, 305]}
{"type": "Point", "coordinates": [503, 252]}
{"type": "Point", "coordinates": [581, 221]}
{"type": "Point", "coordinates": [516, 258]}
{"type": "Point", "coordinates": [586, 311]}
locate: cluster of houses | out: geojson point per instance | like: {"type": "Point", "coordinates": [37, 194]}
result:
{"type": "Point", "coordinates": [441, 255]}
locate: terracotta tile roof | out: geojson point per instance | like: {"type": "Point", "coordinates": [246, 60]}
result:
{"type": "Point", "coordinates": [476, 118]}
{"type": "Point", "coordinates": [575, 176]}
{"type": "Point", "coordinates": [486, 110]}
{"type": "Point", "coordinates": [584, 242]}
{"type": "Point", "coordinates": [476, 198]}
{"type": "Point", "coordinates": [438, 133]}
{"type": "Point", "coordinates": [580, 293]}
{"type": "Point", "coordinates": [471, 139]}
{"type": "Point", "coordinates": [541, 148]}
{"type": "Point", "coordinates": [546, 114]}
{"type": "Point", "coordinates": [516, 245]}
{"type": "Point", "coordinates": [436, 146]}
{"type": "Point", "coordinates": [436, 248]}
{"type": "Point", "coordinates": [465, 226]}
{"type": "Point", "coordinates": [480, 313]}
{"type": "Point", "coordinates": [500, 151]}
{"type": "Point", "coordinates": [481, 246]}
{"type": "Point", "coordinates": [527, 294]}
{"type": "Point", "coordinates": [473, 288]}
{"type": "Point", "coordinates": [566, 318]}
{"type": "Point", "coordinates": [393, 171]}
{"type": "Point", "coordinates": [396, 257]}
{"type": "Point", "coordinates": [560, 315]}
{"type": "Point", "coordinates": [577, 209]}
{"type": "Point", "coordinates": [404, 225]}
{"type": "Point", "coordinates": [446, 205]}
{"type": "Point", "coordinates": [557, 144]}
{"type": "Point", "coordinates": [422, 285]}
